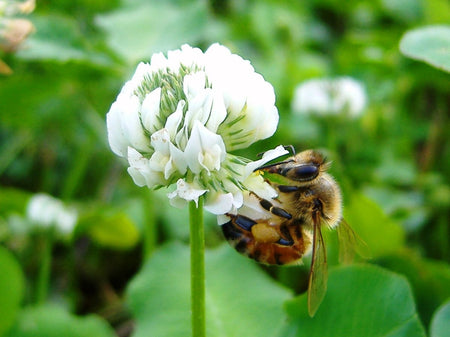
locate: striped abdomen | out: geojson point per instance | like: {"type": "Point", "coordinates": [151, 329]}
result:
{"type": "Point", "coordinates": [286, 242]}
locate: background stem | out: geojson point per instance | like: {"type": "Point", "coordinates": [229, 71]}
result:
{"type": "Point", "coordinates": [44, 271]}
{"type": "Point", "coordinates": [197, 236]}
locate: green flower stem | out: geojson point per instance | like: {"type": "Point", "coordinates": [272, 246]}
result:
{"type": "Point", "coordinates": [330, 125]}
{"type": "Point", "coordinates": [150, 225]}
{"type": "Point", "coordinates": [44, 271]}
{"type": "Point", "coordinates": [81, 164]}
{"type": "Point", "coordinates": [197, 236]}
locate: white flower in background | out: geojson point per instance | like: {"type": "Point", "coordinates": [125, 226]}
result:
{"type": "Point", "coordinates": [343, 95]}
{"type": "Point", "coordinates": [179, 117]}
{"type": "Point", "coordinates": [45, 211]}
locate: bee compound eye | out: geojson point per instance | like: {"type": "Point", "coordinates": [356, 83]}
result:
{"type": "Point", "coordinates": [305, 172]}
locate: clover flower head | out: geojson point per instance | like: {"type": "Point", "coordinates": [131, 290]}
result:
{"type": "Point", "coordinates": [326, 96]}
{"type": "Point", "coordinates": [45, 211]}
{"type": "Point", "coordinates": [179, 117]}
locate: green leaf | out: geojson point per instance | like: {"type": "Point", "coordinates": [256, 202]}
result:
{"type": "Point", "coordinates": [429, 44]}
{"type": "Point", "coordinates": [110, 229]}
{"type": "Point", "coordinates": [441, 321]}
{"type": "Point", "coordinates": [429, 279]}
{"type": "Point", "coordinates": [405, 206]}
{"type": "Point", "coordinates": [52, 321]}
{"type": "Point", "coordinates": [10, 150]}
{"type": "Point", "coordinates": [381, 234]}
{"type": "Point", "coordinates": [13, 200]}
{"type": "Point", "coordinates": [59, 38]}
{"type": "Point", "coordinates": [437, 11]}
{"type": "Point", "coordinates": [11, 289]}
{"type": "Point", "coordinates": [241, 300]}
{"type": "Point", "coordinates": [362, 300]}
{"type": "Point", "coordinates": [404, 10]}
{"type": "Point", "coordinates": [141, 28]}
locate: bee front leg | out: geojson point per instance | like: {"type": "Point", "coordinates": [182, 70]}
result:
{"type": "Point", "coordinates": [287, 188]}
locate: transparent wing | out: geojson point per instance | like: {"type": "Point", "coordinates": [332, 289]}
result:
{"type": "Point", "coordinates": [350, 244]}
{"type": "Point", "coordinates": [318, 274]}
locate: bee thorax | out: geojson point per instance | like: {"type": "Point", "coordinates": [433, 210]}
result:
{"type": "Point", "coordinates": [330, 196]}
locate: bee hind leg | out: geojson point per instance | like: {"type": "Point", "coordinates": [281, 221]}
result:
{"type": "Point", "coordinates": [265, 233]}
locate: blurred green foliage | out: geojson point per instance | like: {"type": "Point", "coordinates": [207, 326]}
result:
{"type": "Point", "coordinates": [51, 321]}
{"type": "Point", "coordinates": [439, 325]}
{"type": "Point", "coordinates": [368, 313]}
{"type": "Point", "coordinates": [11, 289]}
{"type": "Point", "coordinates": [159, 296]}
{"type": "Point", "coordinates": [393, 164]}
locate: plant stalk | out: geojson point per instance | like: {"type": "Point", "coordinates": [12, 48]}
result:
{"type": "Point", "coordinates": [197, 237]}
{"type": "Point", "coordinates": [45, 267]}
{"type": "Point", "coordinates": [150, 234]}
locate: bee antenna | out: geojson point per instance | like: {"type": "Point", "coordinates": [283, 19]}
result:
{"type": "Point", "coordinates": [286, 147]}
{"type": "Point", "coordinates": [272, 165]}
{"type": "Point", "coordinates": [259, 155]}
{"type": "Point", "coordinates": [290, 147]}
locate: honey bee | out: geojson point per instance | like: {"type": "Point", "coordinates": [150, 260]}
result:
{"type": "Point", "coordinates": [308, 198]}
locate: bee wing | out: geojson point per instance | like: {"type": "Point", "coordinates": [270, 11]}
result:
{"type": "Point", "coordinates": [350, 244]}
{"type": "Point", "coordinates": [318, 274]}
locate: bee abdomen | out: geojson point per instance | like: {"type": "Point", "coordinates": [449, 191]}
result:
{"type": "Point", "coordinates": [276, 253]}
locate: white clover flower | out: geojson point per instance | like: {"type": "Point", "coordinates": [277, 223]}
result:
{"type": "Point", "coordinates": [46, 212]}
{"type": "Point", "coordinates": [179, 117]}
{"type": "Point", "coordinates": [330, 96]}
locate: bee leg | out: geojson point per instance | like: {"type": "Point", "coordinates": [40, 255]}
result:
{"type": "Point", "coordinates": [267, 205]}
{"type": "Point", "coordinates": [264, 233]}
{"type": "Point", "coordinates": [285, 242]}
{"type": "Point", "coordinates": [287, 188]}
{"type": "Point", "coordinates": [230, 231]}
{"type": "Point", "coordinates": [243, 222]}
{"type": "Point", "coordinates": [237, 226]}
{"type": "Point", "coordinates": [286, 238]}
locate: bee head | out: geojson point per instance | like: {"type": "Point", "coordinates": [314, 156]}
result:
{"type": "Point", "coordinates": [303, 167]}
